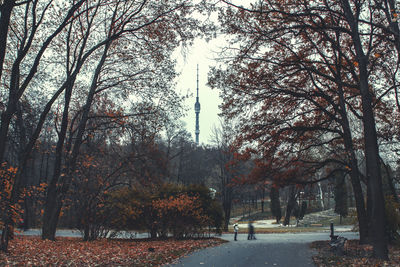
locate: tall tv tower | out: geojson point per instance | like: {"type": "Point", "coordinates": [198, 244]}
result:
{"type": "Point", "coordinates": [197, 109]}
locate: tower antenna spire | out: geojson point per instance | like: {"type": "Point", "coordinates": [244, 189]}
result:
{"type": "Point", "coordinates": [197, 81]}
{"type": "Point", "coordinates": [197, 109]}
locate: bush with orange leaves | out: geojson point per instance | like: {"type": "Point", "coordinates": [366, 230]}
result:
{"type": "Point", "coordinates": [181, 215]}
{"type": "Point", "coordinates": [180, 211]}
{"type": "Point", "coordinates": [8, 210]}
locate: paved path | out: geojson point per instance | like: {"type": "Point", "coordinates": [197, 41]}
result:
{"type": "Point", "coordinates": [284, 250]}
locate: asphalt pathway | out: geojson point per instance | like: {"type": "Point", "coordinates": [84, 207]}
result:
{"type": "Point", "coordinates": [284, 250]}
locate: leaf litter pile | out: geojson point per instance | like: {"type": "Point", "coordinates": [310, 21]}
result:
{"type": "Point", "coordinates": [33, 251]}
{"type": "Point", "coordinates": [355, 255]}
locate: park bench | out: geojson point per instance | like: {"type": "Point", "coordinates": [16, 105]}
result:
{"type": "Point", "coordinates": [337, 242]}
{"type": "Point", "coordinates": [337, 245]}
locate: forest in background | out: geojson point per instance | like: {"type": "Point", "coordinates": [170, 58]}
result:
{"type": "Point", "coordinates": [89, 109]}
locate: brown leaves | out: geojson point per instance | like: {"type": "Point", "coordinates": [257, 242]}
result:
{"type": "Point", "coordinates": [28, 251]}
{"type": "Point", "coordinates": [355, 255]}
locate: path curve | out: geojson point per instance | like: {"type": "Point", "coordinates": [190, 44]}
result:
{"type": "Point", "coordinates": [284, 250]}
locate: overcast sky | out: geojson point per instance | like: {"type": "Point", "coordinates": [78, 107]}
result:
{"type": "Point", "coordinates": [202, 53]}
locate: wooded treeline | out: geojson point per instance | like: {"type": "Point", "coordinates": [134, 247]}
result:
{"type": "Point", "coordinates": [84, 84]}
{"type": "Point", "coordinates": [313, 86]}
{"type": "Point", "coordinates": [88, 106]}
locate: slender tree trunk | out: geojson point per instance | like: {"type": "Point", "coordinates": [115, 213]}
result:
{"type": "Point", "coordinates": [52, 205]}
{"type": "Point", "coordinates": [262, 199]}
{"type": "Point", "coordinates": [357, 190]}
{"type": "Point", "coordinates": [389, 181]}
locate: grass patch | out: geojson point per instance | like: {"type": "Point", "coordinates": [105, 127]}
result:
{"type": "Point", "coordinates": [278, 230]}
{"type": "Point", "coordinates": [256, 217]}
{"type": "Point", "coordinates": [349, 220]}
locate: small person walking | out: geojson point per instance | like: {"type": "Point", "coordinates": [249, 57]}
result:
{"type": "Point", "coordinates": [251, 235]}
{"type": "Point", "coordinates": [235, 230]}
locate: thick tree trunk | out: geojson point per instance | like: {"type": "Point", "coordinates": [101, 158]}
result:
{"type": "Point", "coordinates": [290, 205]}
{"type": "Point", "coordinates": [51, 214]}
{"type": "Point", "coordinates": [5, 236]}
{"type": "Point", "coordinates": [275, 204]}
{"type": "Point", "coordinates": [378, 216]}
{"type": "Point", "coordinates": [227, 205]}
{"type": "Point", "coordinates": [86, 231]}
{"type": "Point", "coordinates": [5, 11]}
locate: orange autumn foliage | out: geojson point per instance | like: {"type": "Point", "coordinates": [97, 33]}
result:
{"type": "Point", "coordinates": [170, 210]}
{"type": "Point", "coordinates": [7, 175]}
{"type": "Point", "coordinates": [15, 211]}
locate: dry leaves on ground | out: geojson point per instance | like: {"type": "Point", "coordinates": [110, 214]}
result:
{"type": "Point", "coordinates": [32, 251]}
{"type": "Point", "coordinates": [355, 255]}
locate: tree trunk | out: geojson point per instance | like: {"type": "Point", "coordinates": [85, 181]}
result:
{"type": "Point", "coordinates": [5, 11]}
{"type": "Point", "coordinates": [86, 230]}
{"type": "Point", "coordinates": [389, 182]}
{"type": "Point", "coordinates": [5, 236]}
{"type": "Point", "coordinates": [321, 196]}
{"type": "Point", "coordinates": [57, 193]}
{"type": "Point", "coordinates": [357, 190]}
{"type": "Point", "coordinates": [51, 214]}
{"type": "Point", "coordinates": [227, 205]}
{"type": "Point", "coordinates": [348, 144]}
{"type": "Point", "coordinates": [52, 208]}
{"type": "Point", "coordinates": [290, 205]}
{"type": "Point", "coordinates": [378, 218]}
{"type": "Point", "coordinates": [262, 199]}
{"type": "Point", "coordinates": [262, 205]}
{"type": "Point", "coordinates": [275, 203]}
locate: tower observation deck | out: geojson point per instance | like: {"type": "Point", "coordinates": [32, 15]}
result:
{"type": "Point", "coordinates": [197, 109]}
